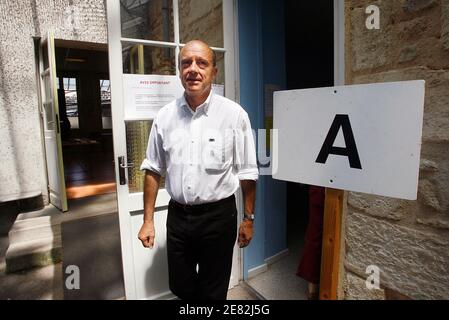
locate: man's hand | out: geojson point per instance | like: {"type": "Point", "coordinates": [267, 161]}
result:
{"type": "Point", "coordinates": [245, 233]}
{"type": "Point", "coordinates": [146, 234]}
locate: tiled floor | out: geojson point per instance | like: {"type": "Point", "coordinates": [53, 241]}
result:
{"type": "Point", "coordinates": [280, 282]}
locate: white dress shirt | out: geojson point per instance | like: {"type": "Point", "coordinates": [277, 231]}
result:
{"type": "Point", "coordinates": [203, 154]}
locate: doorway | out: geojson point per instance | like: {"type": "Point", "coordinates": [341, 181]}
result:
{"type": "Point", "coordinates": [84, 96]}
{"type": "Point", "coordinates": [309, 63]}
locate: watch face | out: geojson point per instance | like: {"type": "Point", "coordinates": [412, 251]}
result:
{"type": "Point", "coordinates": [248, 217]}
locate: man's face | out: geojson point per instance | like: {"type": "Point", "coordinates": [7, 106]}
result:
{"type": "Point", "coordinates": [197, 71]}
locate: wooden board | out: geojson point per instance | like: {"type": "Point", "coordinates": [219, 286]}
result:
{"type": "Point", "coordinates": [330, 260]}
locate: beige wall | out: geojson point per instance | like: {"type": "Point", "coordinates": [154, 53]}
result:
{"type": "Point", "coordinates": [22, 173]}
{"type": "Point", "coordinates": [407, 240]}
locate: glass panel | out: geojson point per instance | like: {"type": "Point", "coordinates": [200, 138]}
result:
{"type": "Point", "coordinates": [137, 134]}
{"type": "Point", "coordinates": [47, 88]}
{"type": "Point", "coordinates": [220, 78]}
{"type": "Point", "coordinates": [147, 19]}
{"type": "Point", "coordinates": [201, 19]}
{"type": "Point", "coordinates": [71, 102]}
{"type": "Point", "coordinates": [140, 59]}
{"type": "Point", "coordinates": [49, 121]}
{"type": "Point", "coordinates": [105, 89]}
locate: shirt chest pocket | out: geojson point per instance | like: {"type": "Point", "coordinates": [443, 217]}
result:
{"type": "Point", "coordinates": [217, 152]}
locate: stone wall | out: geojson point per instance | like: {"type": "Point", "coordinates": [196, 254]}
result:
{"type": "Point", "coordinates": [22, 173]}
{"type": "Point", "coordinates": [407, 240]}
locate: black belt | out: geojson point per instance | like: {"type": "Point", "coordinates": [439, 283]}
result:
{"type": "Point", "coordinates": [204, 206]}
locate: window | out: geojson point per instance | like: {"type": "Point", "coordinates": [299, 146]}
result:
{"type": "Point", "coordinates": [71, 101]}
{"type": "Point", "coordinates": [105, 90]}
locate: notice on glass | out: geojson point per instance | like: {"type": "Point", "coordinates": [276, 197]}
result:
{"type": "Point", "coordinates": [145, 95]}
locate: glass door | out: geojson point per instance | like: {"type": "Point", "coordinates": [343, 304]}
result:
{"type": "Point", "coordinates": [145, 38]}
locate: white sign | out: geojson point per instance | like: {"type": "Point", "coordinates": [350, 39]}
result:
{"type": "Point", "coordinates": [363, 138]}
{"type": "Point", "coordinates": [145, 95]}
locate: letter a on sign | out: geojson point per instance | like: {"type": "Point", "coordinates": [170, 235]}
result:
{"type": "Point", "coordinates": [350, 151]}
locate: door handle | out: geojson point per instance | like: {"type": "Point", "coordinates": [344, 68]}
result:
{"type": "Point", "coordinates": [121, 169]}
{"type": "Point", "coordinates": [127, 165]}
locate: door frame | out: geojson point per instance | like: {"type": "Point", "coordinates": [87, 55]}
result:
{"type": "Point", "coordinates": [335, 227]}
{"type": "Point", "coordinates": [127, 202]}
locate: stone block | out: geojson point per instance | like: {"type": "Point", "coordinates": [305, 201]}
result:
{"type": "Point", "coordinates": [408, 54]}
{"type": "Point", "coordinates": [445, 23]}
{"type": "Point", "coordinates": [417, 5]}
{"type": "Point", "coordinates": [355, 289]}
{"type": "Point", "coordinates": [428, 194]}
{"type": "Point", "coordinates": [412, 262]}
{"type": "Point", "coordinates": [381, 207]}
{"type": "Point", "coordinates": [440, 222]}
{"type": "Point", "coordinates": [369, 48]}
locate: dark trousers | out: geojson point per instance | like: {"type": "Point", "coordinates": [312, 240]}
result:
{"type": "Point", "coordinates": [202, 236]}
{"type": "Point", "coordinates": [310, 264]}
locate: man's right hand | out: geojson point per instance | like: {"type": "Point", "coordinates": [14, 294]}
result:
{"type": "Point", "coordinates": [146, 234]}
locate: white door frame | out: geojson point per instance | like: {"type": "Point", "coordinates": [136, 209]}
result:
{"type": "Point", "coordinates": [129, 203]}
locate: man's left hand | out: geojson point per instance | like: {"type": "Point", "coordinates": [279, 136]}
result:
{"type": "Point", "coordinates": [245, 233]}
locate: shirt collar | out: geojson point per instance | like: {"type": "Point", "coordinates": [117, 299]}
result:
{"type": "Point", "coordinates": [205, 106]}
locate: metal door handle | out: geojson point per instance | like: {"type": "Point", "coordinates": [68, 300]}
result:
{"type": "Point", "coordinates": [121, 169]}
{"type": "Point", "coordinates": [126, 166]}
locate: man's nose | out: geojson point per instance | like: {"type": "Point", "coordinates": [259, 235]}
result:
{"type": "Point", "coordinates": [193, 67]}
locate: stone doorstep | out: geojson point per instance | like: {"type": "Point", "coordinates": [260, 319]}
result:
{"type": "Point", "coordinates": [25, 232]}
{"type": "Point", "coordinates": [34, 253]}
{"type": "Point", "coordinates": [35, 237]}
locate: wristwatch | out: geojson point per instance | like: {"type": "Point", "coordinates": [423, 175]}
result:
{"type": "Point", "coordinates": [248, 216]}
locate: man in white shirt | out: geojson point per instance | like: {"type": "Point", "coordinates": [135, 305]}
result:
{"type": "Point", "coordinates": [204, 145]}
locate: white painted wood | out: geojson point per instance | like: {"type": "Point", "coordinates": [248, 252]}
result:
{"type": "Point", "coordinates": [386, 120]}
{"type": "Point", "coordinates": [52, 132]}
{"type": "Point", "coordinates": [119, 139]}
{"type": "Point", "coordinates": [229, 24]}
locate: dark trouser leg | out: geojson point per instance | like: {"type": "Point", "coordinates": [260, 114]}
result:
{"type": "Point", "coordinates": [182, 259]}
{"type": "Point", "coordinates": [206, 239]}
{"type": "Point", "coordinates": [218, 236]}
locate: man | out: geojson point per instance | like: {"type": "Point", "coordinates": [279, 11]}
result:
{"type": "Point", "coordinates": [203, 143]}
